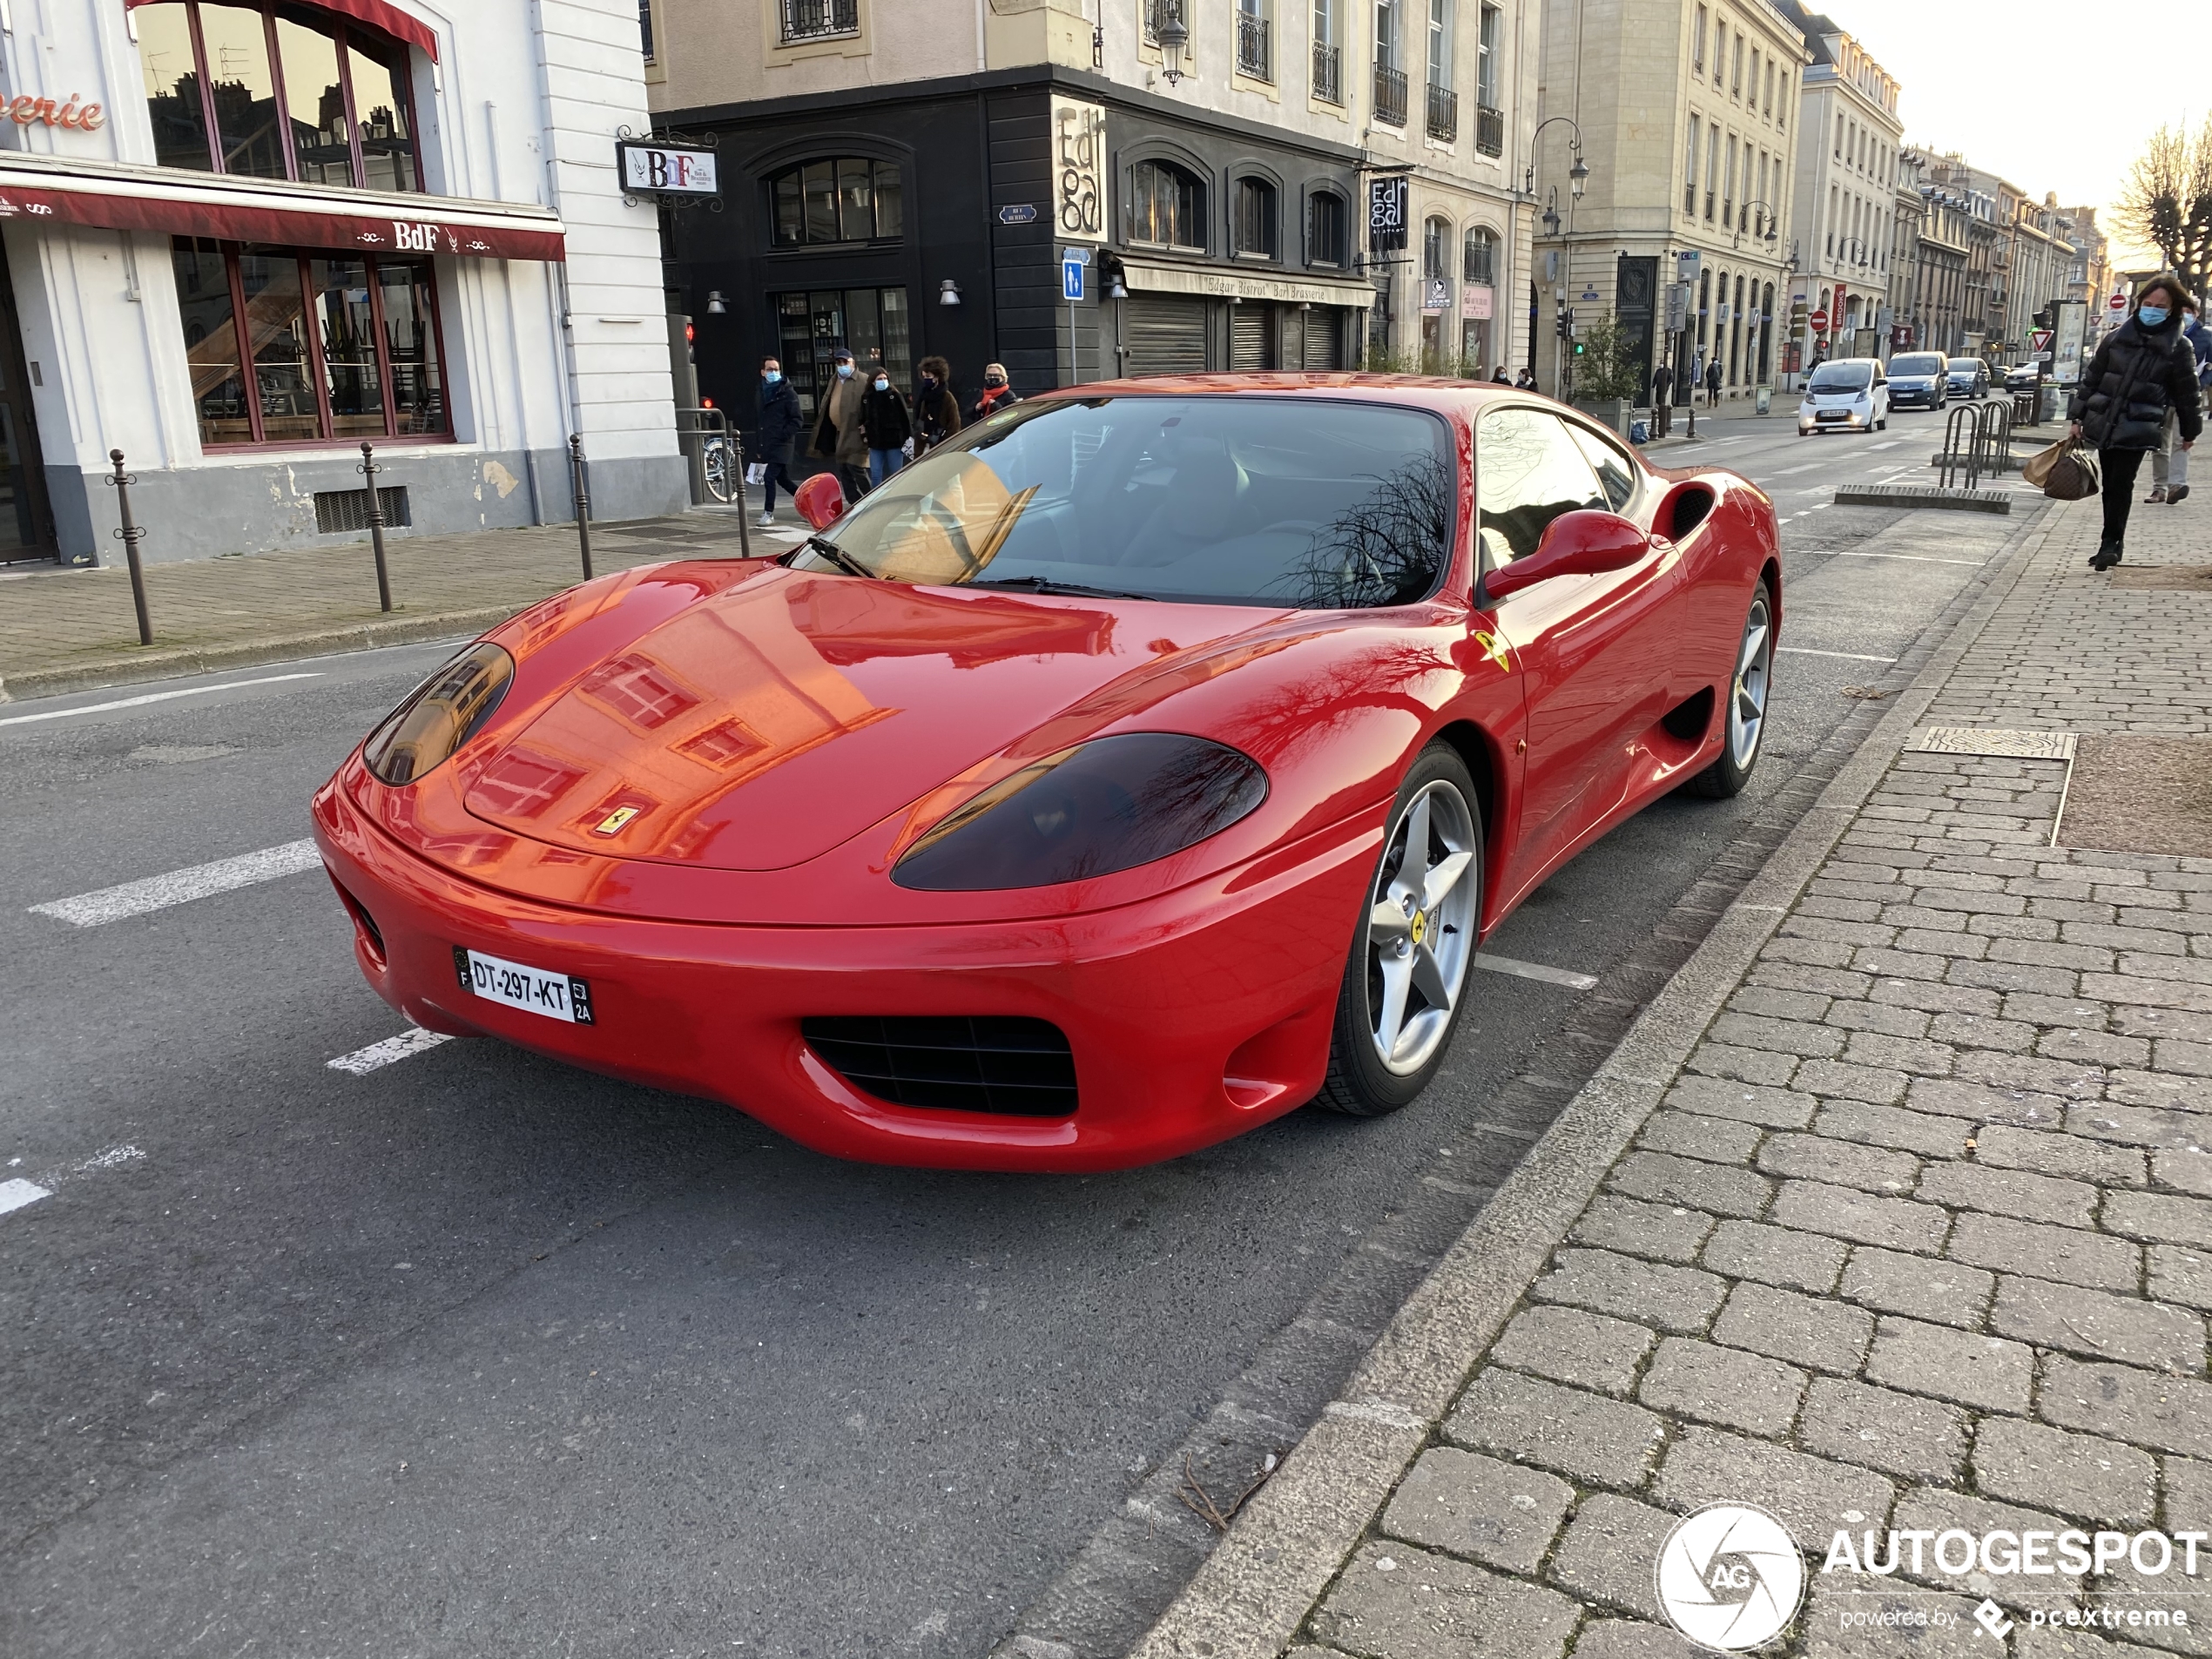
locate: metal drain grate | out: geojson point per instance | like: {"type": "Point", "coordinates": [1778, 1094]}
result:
{"type": "Point", "coordinates": [1992, 740]}
{"type": "Point", "coordinates": [347, 509]}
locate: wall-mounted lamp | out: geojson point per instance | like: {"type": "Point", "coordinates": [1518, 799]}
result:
{"type": "Point", "coordinates": [1173, 38]}
{"type": "Point", "coordinates": [1580, 173]}
{"type": "Point", "coordinates": [1116, 288]}
{"type": "Point", "coordinates": [715, 308]}
{"type": "Point", "coordinates": [948, 293]}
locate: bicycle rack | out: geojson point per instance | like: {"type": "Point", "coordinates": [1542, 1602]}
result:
{"type": "Point", "coordinates": [1996, 432]}
{"type": "Point", "coordinates": [1964, 422]}
{"type": "Point", "coordinates": [715, 457]}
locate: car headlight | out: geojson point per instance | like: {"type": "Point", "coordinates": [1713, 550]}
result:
{"type": "Point", "coordinates": [438, 715]}
{"type": "Point", "coordinates": [1108, 805]}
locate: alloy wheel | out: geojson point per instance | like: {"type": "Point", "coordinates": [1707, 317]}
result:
{"type": "Point", "coordinates": [1747, 697]}
{"type": "Point", "coordinates": [1420, 928]}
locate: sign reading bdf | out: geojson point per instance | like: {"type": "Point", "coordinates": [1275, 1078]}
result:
{"type": "Point", "coordinates": [667, 170]}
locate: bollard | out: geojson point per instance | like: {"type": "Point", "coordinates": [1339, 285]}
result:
{"type": "Point", "coordinates": [369, 470]}
{"type": "Point", "coordinates": [737, 466]}
{"type": "Point", "coordinates": [132, 534]}
{"type": "Point", "coordinates": [582, 501]}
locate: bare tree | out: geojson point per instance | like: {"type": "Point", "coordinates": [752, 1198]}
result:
{"type": "Point", "coordinates": [2168, 201]}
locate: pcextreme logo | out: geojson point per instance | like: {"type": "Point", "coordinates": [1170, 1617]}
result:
{"type": "Point", "coordinates": [1731, 1577]}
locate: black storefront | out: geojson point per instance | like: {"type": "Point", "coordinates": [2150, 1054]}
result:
{"type": "Point", "coordinates": [931, 217]}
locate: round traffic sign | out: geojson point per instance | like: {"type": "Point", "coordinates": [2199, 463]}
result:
{"type": "Point", "coordinates": [1819, 320]}
{"type": "Point", "coordinates": [2117, 302]}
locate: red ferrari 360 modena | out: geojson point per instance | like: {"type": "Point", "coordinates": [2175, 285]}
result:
{"type": "Point", "coordinates": [1142, 764]}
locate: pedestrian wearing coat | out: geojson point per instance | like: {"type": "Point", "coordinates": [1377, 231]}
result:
{"type": "Point", "coordinates": [1498, 377]}
{"type": "Point", "coordinates": [2141, 370]}
{"type": "Point", "coordinates": [936, 410]}
{"type": "Point", "coordinates": [1662, 381]}
{"type": "Point", "coordinates": [781, 422]}
{"type": "Point", "coordinates": [2169, 468]}
{"type": "Point", "coordinates": [838, 437]}
{"type": "Point", "coordinates": [997, 394]}
{"type": "Point", "coordinates": [888, 423]}
{"type": "Point", "coordinates": [1713, 382]}
{"type": "Point", "coordinates": [1524, 381]}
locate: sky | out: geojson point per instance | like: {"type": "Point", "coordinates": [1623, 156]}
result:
{"type": "Point", "coordinates": [2051, 95]}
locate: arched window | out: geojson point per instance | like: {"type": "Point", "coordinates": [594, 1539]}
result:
{"type": "Point", "coordinates": [1166, 206]}
{"type": "Point", "coordinates": [839, 199]}
{"type": "Point", "coordinates": [1480, 263]}
{"type": "Point", "coordinates": [1436, 248]}
{"type": "Point", "coordinates": [1328, 221]}
{"type": "Point", "coordinates": [1253, 220]}
{"type": "Point", "coordinates": [275, 92]}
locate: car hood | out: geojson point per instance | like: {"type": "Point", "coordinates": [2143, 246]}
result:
{"type": "Point", "coordinates": [764, 724]}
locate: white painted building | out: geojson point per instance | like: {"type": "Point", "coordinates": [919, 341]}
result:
{"type": "Point", "coordinates": [242, 239]}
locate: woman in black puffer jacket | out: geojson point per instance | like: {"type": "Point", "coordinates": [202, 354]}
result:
{"type": "Point", "coordinates": [2143, 369]}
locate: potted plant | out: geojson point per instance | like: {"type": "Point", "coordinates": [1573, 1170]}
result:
{"type": "Point", "coordinates": [1607, 377]}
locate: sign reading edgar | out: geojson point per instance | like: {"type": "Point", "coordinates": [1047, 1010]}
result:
{"type": "Point", "coordinates": [1078, 169]}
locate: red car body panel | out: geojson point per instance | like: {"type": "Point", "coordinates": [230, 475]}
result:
{"type": "Point", "coordinates": [784, 736]}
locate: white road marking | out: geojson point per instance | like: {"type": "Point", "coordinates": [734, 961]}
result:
{"type": "Point", "coordinates": [14, 1195]}
{"type": "Point", "coordinates": [1848, 656]}
{"type": "Point", "coordinates": [1887, 443]}
{"type": "Point", "coordinates": [1535, 970]}
{"type": "Point", "coordinates": [1788, 472]}
{"type": "Point", "coordinates": [1910, 558]}
{"type": "Point", "coordinates": [412, 1040]}
{"type": "Point", "coordinates": [153, 697]}
{"type": "Point", "coordinates": [181, 886]}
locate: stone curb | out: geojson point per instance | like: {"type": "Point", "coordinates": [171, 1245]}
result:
{"type": "Point", "coordinates": [158, 663]}
{"type": "Point", "coordinates": [1971, 500]}
{"type": "Point", "coordinates": [1251, 1593]}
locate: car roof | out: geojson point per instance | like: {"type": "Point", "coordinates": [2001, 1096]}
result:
{"type": "Point", "coordinates": [1427, 391]}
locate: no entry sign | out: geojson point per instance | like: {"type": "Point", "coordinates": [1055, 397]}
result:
{"type": "Point", "coordinates": [1819, 320]}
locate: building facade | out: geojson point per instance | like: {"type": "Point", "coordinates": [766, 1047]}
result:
{"type": "Point", "coordinates": [244, 239]}
{"type": "Point", "coordinates": [1939, 274]}
{"type": "Point", "coordinates": [1842, 234]}
{"type": "Point", "coordinates": [909, 178]}
{"type": "Point", "coordinates": [1686, 112]}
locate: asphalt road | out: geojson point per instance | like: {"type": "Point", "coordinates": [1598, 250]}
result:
{"type": "Point", "coordinates": [471, 1354]}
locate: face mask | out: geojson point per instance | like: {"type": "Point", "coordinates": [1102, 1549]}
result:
{"type": "Point", "coordinates": [771, 376]}
{"type": "Point", "coordinates": [883, 386]}
{"type": "Point", "coordinates": [2152, 316]}
{"type": "Point", "coordinates": [930, 381]}
{"type": "Point", "coordinates": [845, 371]}
{"type": "Point", "coordinates": [995, 381]}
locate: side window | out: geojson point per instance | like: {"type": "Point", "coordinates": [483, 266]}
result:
{"type": "Point", "coordinates": [1616, 474]}
{"type": "Point", "coordinates": [1528, 472]}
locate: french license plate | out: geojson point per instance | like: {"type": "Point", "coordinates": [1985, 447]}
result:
{"type": "Point", "coordinates": [557, 996]}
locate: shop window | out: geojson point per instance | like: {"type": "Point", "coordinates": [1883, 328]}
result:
{"type": "Point", "coordinates": [341, 346]}
{"type": "Point", "coordinates": [272, 90]}
{"type": "Point", "coordinates": [1328, 221]}
{"type": "Point", "coordinates": [841, 199]}
{"type": "Point", "coordinates": [1253, 221]}
{"type": "Point", "coordinates": [1167, 206]}
{"type": "Point", "coordinates": [873, 324]}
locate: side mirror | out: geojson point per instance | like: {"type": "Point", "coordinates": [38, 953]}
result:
{"type": "Point", "coordinates": [1582, 543]}
{"type": "Point", "coordinates": [820, 501]}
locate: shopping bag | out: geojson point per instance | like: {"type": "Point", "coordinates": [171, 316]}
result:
{"type": "Point", "coordinates": [2038, 466]}
{"type": "Point", "coordinates": [757, 473]}
{"type": "Point", "coordinates": [2073, 476]}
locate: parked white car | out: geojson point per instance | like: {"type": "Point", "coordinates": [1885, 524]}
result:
{"type": "Point", "coordinates": [1848, 395]}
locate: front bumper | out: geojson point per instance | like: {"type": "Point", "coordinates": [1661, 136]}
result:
{"type": "Point", "coordinates": [1192, 1017]}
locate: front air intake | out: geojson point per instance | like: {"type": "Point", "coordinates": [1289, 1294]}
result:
{"type": "Point", "coordinates": [1004, 1065]}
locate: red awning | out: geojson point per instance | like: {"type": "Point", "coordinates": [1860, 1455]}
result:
{"type": "Point", "coordinates": [226, 208]}
{"type": "Point", "coordinates": [378, 14]}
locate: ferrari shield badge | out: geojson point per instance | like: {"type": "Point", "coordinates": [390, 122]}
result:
{"type": "Point", "coordinates": [613, 822]}
{"type": "Point", "coordinates": [1496, 650]}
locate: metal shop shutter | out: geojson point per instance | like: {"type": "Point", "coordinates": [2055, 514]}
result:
{"type": "Point", "coordinates": [1167, 334]}
{"type": "Point", "coordinates": [1252, 336]}
{"type": "Point", "coordinates": [1324, 337]}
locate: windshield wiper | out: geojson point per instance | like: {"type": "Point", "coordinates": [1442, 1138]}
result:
{"type": "Point", "coordinates": [1072, 590]}
{"type": "Point", "coordinates": [837, 557]}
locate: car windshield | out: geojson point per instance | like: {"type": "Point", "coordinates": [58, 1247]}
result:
{"type": "Point", "coordinates": [1841, 377]}
{"type": "Point", "coordinates": [1917, 363]}
{"type": "Point", "coordinates": [1964, 365]}
{"type": "Point", "coordinates": [1307, 503]}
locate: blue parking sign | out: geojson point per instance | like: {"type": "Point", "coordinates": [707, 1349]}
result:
{"type": "Point", "coordinates": [1071, 279]}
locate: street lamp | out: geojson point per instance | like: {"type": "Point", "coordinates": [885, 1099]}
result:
{"type": "Point", "coordinates": [1772, 235]}
{"type": "Point", "coordinates": [1578, 175]}
{"type": "Point", "coordinates": [1173, 38]}
{"type": "Point", "coordinates": [1551, 213]}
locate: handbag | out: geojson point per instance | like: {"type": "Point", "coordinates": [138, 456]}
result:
{"type": "Point", "coordinates": [757, 473]}
{"type": "Point", "coordinates": [2072, 475]}
{"type": "Point", "coordinates": [2038, 466]}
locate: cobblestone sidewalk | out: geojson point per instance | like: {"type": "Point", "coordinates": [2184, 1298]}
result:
{"type": "Point", "coordinates": [1919, 1239]}
{"type": "Point", "coordinates": [64, 630]}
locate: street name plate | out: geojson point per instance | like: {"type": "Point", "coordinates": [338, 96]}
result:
{"type": "Point", "coordinates": [1992, 740]}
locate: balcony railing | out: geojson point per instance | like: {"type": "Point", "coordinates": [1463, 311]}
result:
{"type": "Point", "coordinates": [1390, 96]}
{"type": "Point", "coordinates": [1443, 113]}
{"type": "Point", "coordinates": [819, 19]}
{"type": "Point", "coordinates": [1253, 57]}
{"type": "Point", "coordinates": [1328, 73]}
{"type": "Point", "coordinates": [1489, 130]}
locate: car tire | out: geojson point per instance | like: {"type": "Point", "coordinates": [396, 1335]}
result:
{"type": "Point", "coordinates": [1393, 961]}
{"type": "Point", "coordinates": [1743, 720]}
